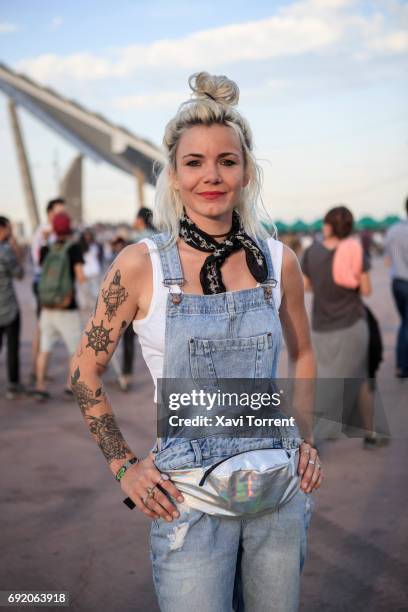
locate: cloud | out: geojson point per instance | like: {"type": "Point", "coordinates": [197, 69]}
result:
{"type": "Point", "coordinates": [302, 27]}
{"type": "Point", "coordinates": [170, 99]}
{"type": "Point", "coordinates": [305, 46]}
{"type": "Point", "coordinates": [252, 41]}
{"type": "Point", "coordinates": [56, 23]}
{"type": "Point", "coordinates": [396, 42]}
{"type": "Point", "coordinates": [151, 101]}
{"type": "Point", "coordinates": [78, 66]}
{"type": "Point", "coordinates": [6, 27]}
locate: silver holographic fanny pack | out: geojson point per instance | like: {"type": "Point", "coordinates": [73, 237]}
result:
{"type": "Point", "coordinates": [248, 483]}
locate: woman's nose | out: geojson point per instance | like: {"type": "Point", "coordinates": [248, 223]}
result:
{"type": "Point", "coordinates": [212, 173]}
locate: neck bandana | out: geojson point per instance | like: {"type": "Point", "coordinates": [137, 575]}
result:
{"type": "Point", "coordinates": [236, 239]}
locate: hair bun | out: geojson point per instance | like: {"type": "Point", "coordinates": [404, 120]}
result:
{"type": "Point", "coordinates": [218, 88]}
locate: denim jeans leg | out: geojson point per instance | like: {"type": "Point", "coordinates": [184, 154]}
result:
{"type": "Point", "coordinates": [273, 552]}
{"type": "Point", "coordinates": [194, 560]}
{"type": "Point", "coordinates": [400, 292]}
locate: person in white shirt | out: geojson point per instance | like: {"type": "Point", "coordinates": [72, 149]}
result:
{"type": "Point", "coordinates": [92, 253]}
{"type": "Point", "coordinates": [396, 249]}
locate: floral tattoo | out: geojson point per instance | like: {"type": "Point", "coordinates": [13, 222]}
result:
{"type": "Point", "coordinates": [109, 437]}
{"type": "Point", "coordinates": [85, 397]}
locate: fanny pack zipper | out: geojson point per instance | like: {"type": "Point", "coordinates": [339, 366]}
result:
{"type": "Point", "coordinates": [212, 467]}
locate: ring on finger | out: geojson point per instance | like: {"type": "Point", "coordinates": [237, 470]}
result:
{"type": "Point", "coordinates": [312, 462]}
{"type": "Point", "coordinates": [150, 492]}
{"type": "Point", "coordinates": [144, 501]}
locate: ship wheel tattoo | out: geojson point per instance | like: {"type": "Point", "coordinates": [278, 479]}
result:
{"type": "Point", "coordinates": [98, 338]}
{"type": "Point", "coordinates": [114, 296]}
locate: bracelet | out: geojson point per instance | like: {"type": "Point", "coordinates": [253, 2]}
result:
{"type": "Point", "coordinates": [123, 469]}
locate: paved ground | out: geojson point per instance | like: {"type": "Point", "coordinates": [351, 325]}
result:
{"type": "Point", "coordinates": [63, 525]}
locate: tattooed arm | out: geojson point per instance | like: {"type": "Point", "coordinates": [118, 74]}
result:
{"type": "Point", "coordinates": [116, 307]}
{"type": "Point", "coordinates": [125, 292]}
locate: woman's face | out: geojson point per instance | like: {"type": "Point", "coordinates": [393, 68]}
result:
{"type": "Point", "coordinates": [210, 172]}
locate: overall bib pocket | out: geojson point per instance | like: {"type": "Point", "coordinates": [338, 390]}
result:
{"type": "Point", "coordinates": [250, 357]}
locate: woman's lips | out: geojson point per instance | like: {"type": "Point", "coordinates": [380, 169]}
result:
{"type": "Point", "coordinates": [211, 195]}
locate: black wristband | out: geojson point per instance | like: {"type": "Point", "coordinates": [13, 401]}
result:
{"type": "Point", "coordinates": [129, 503]}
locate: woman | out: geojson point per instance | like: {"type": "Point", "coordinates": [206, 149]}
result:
{"type": "Point", "coordinates": [204, 286]}
{"type": "Point", "coordinates": [338, 276]}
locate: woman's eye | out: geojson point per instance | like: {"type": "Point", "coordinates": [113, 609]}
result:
{"type": "Point", "coordinates": [193, 163]}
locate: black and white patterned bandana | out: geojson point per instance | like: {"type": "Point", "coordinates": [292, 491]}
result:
{"type": "Point", "coordinates": [236, 239]}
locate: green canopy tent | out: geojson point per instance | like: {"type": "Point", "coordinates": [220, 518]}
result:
{"type": "Point", "coordinates": [299, 226]}
{"type": "Point", "coordinates": [316, 226]}
{"type": "Point", "coordinates": [368, 223]}
{"type": "Point", "coordinates": [281, 227]}
{"type": "Point", "coordinates": [390, 220]}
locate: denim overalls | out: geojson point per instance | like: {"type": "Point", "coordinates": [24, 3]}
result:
{"type": "Point", "coordinates": [200, 562]}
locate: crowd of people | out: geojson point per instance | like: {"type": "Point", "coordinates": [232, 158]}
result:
{"type": "Point", "coordinates": [340, 321]}
{"type": "Point", "coordinates": [67, 267]}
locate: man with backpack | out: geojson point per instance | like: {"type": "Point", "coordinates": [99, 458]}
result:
{"type": "Point", "coordinates": [62, 265]}
{"type": "Point", "coordinates": [42, 236]}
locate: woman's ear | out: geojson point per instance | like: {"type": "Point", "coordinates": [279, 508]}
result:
{"type": "Point", "coordinates": [246, 179]}
{"type": "Point", "coordinates": [173, 178]}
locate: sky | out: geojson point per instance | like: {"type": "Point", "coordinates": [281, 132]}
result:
{"type": "Point", "coordinates": [323, 84]}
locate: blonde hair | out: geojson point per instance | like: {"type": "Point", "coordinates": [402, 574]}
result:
{"type": "Point", "coordinates": [213, 101]}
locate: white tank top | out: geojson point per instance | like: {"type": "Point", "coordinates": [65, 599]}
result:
{"type": "Point", "coordinates": [151, 328]}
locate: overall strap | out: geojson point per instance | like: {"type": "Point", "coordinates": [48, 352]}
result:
{"type": "Point", "coordinates": [271, 285]}
{"type": "Point", "coordinates": [169, 259]}
{"type": "Point", "coordinates": [263, 245]}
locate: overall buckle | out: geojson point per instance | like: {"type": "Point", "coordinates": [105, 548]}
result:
{"type": "Point", "coordinates": [176, 293]}
{"type": "Point", "coordinates": [268, 286]}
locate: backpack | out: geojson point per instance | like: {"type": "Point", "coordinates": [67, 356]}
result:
{"type": "Point", "coordinates": [56, 286]}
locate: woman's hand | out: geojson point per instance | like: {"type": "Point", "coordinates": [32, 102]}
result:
{"type": "Point", "coordinates": [144, 484]}
{"type": "Point", "coordinates": [310, 468]}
